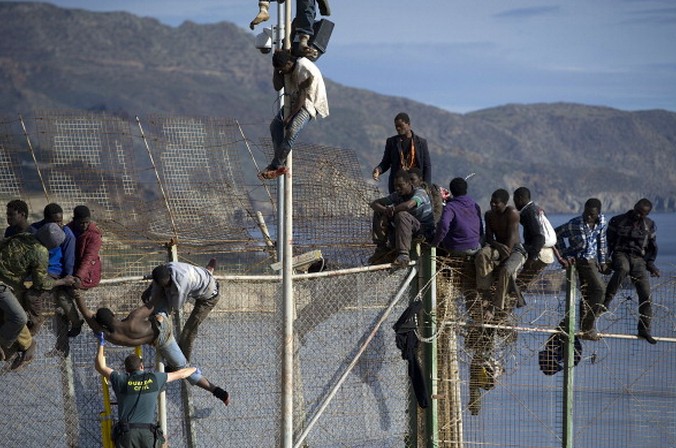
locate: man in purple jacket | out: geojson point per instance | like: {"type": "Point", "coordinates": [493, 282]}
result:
{"type": "Point", "coordinates": [460, 228]}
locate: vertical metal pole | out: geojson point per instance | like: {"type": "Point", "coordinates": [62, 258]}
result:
{"type": "Point", "coordinates": [569, 359]}
{"type": "Point", "coordinates": [35, 160]}
{"type": "Point", "coordinates": [428, 270]}
{"type": "Point", "coordinates": [287, 272]}
{"type": "Point", "coordinates": [279, 37]}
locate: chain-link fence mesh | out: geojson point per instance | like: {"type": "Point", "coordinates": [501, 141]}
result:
{"type": "Point", "coordinates": [188, 179]}
{"type": "Point", "coordinates": [494, 393]}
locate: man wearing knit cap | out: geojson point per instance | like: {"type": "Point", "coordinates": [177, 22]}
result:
{"type": "Point", "coordinates": [61, 264]}
{"type": "Point", "coordinates": [21, 256]}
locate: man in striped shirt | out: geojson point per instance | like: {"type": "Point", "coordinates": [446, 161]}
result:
{"type": "Point", "coordinates": [582, 242]}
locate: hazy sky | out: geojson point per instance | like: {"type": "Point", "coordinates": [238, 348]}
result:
{"type": "Point", "coordinates": [465, 55]}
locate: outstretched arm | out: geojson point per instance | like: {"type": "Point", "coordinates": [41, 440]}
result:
{"type": "Point", "coordinates": [88, 314]}
{"type": "Point", "coordinates": [100, 362]}
{"type": "Point", "coordinates": [180, 374]}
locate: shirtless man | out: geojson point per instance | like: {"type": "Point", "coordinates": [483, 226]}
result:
{"type": "Point", "coordinates": [141, 327]}
{"type": "Point", "coordinates": [503, 254]}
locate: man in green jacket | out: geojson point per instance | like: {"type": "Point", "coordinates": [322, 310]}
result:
{"type": "Point", "coordinates": [22, 256]}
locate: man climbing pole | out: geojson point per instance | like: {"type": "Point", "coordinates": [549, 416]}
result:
{"type": "Point", "coordinates": [303, 82]}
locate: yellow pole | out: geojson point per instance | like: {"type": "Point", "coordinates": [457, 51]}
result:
{"type": "Point", "coordinates": [106, 416]}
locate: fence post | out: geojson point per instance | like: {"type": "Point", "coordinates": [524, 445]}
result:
{"type": "Point", "coordinates": [569, 358]}
{"type": "Point", "coordinates": [428, 282]}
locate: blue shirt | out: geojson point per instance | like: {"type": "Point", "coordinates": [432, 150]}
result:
{"type": "Point", "coordinates": [61, 258]}
{"type": "Point", "coordinates": [583, 241]}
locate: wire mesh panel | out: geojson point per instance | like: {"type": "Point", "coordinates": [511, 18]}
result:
{"type": "Point", "coordinates": [336, 315]}
{"type": "Point", "coordinates": [10, 175]}
{"type": "Point", "coordinates": [238, 348]}
{"type": "Point", "coordinates": [622, 386]}
{"type": "Point", "coordinates": [186, 179]}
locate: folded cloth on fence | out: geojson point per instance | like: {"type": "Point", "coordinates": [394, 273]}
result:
{"type": "Point", "coordinates": [407, 342]}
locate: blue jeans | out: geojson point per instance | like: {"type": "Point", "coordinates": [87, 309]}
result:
{"type": "Point", "coordinates": [168, 348]}
{"type": "Point", "coordinates": [14, 316]}
{"type": "Point", "coordinates": [283, 138]}
{"type": "Point", "coordinates": [305, 16]}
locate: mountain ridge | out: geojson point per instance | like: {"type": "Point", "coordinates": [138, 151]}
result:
{"type": "Point", "coordinates": [116, 62]}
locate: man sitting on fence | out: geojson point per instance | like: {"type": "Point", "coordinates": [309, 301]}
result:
{"type": "Point", "coordinates": [502, 255]}
{"type": "Point", "coordinates": [539, 240]}
{"type": "Point", "coordinates": [21, 256]}
{"type": "Point", "coordinates": [140, 327]}
{"type": "Point", "coordinates": [408, 212]}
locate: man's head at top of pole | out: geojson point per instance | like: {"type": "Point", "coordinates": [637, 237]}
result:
{"type": "Point", "coordinates": [283, 61]}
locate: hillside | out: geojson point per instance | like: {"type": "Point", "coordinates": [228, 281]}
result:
{"type": "Point", "coordinates": [73, 59]}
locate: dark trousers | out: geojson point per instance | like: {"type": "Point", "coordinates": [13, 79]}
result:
{"type": "Point", "coordinates": [593, 289]}
{"type": "Point", "coordinates": [406, 226]}
{"type": "Point", "coordinates": [635, 267]}
{"type": "Point", "coordinates": [203, 307]}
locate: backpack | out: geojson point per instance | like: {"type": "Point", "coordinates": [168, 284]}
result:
{"type": "Point", "coordinates": [546, 228]}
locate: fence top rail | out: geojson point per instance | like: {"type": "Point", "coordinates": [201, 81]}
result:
{"type": "Point", "coordinates": [265, 278]}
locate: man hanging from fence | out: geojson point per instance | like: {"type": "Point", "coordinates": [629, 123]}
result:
{"type": "Point", "coordinates": [175, 282]}
{"type": "Point", "coordinates": [143, 326]}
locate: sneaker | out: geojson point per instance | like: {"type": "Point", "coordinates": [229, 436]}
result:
{"type": "Point", "coordinates": [644, 334]}
{"type": "Point", "coordinates": [402, 261]}
{"type": "Point", "coordinates": [589, 335]}
{"type": "Point", "coordinates": [24, 357]}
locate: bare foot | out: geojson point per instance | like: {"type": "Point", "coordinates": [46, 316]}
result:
{"type": "Point", "coordinates": [263, 16]}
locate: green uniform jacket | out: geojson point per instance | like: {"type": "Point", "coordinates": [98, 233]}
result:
{"type": "Point", "coordinates": [23, 256]}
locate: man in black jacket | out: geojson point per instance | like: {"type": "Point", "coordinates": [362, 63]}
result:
{"type": "Point", "coordinates": [538, 255]}
{"type": "Point", "coordinates": [632, 245]}
{"type": "Point", "coordinates": [404, 151]}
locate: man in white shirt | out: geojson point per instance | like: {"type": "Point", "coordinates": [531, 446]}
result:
{"type": "Point", "coordinates": [303, 82]}
{"type": "Point", "coordinates": [173, 283]}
